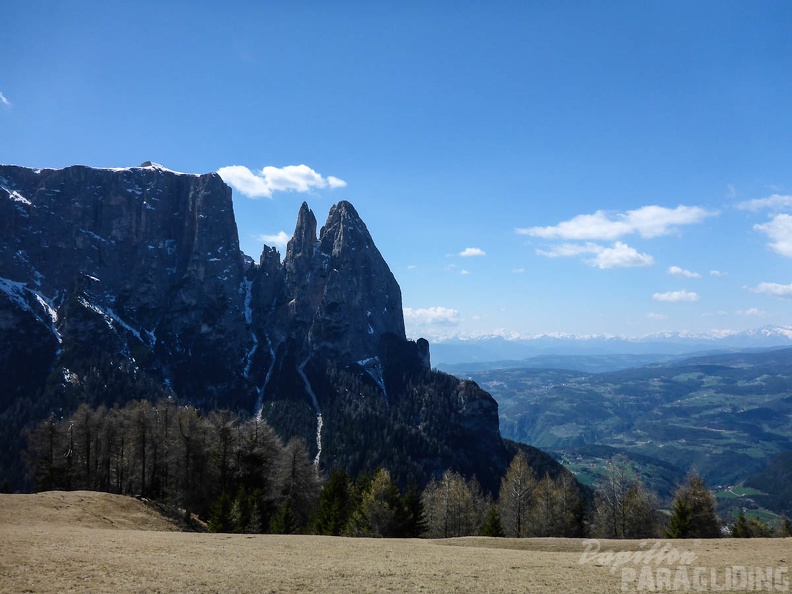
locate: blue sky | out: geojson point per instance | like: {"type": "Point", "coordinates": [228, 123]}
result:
{"type": "Point", "coordinates": [524, 167]}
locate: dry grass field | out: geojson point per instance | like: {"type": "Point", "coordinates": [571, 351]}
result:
{"type": "Point", "coordinates": [92, 542]}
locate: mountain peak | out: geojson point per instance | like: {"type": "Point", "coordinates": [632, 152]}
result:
{"type": "Point", "coordinates": [303, 241]}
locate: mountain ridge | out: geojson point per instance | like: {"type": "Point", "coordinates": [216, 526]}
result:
{"type": "Point", "coordinates": [129, 283]}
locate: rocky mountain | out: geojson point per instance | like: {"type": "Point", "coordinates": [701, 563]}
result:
{"type": "Point", "coordinates": [129, 283]}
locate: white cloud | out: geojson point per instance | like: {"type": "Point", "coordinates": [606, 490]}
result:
{"type": "Point", "coordinates": [774, 290]}
{"type": "Point", "coordinates": [292, 178]}
{"type": "Point", "coordinates": [620, 255]}
{"type": "Point", "coordinates": [716, 273]}
{"type": "Point", "coordinates": [518, 270]}
{"type": "Point", "coordinates": [464, 272]}
{"type": "Point", "coordinates": [779, 230]}
{"type": "Point", "coordinates": [4, 100]}
{"type": "Point", "coordinates": [278, 240]}
{"type": "Point", "coordinates": [656, 316]}
{"type": "Point", "coordinates": [431, 315]}
{"type": "Point", "coordinates": [411, 267]}
{"type": "Point", "coordinates": [334, 182]}
{"type": "Point", "coordinates": [676, 296]}
{"type": "Point", "coordinates": [773, 202]}
{"type": "Point", "coordinates": [647, 221]}
{"type": "Point", "coordinates": [753, 311]}
{"type": "Point", "coordinates": [472, 251]}
{"type": "Point", "coordinates": [682, 273]}
{"type": "Point", "coordinates": [565, 250]}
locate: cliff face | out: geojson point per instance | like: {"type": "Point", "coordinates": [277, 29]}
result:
{"type": "Point", "coordinates": [141, 261]}
{"type": "Point", "coordinates": [129, 283]}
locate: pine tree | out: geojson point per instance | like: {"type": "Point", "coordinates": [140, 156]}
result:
{"type": "Point", "coordinates": [220, 519]}
{"type": "Point", "coordinates": [285, 521]}
{"type": "Point", "coordinates": [411, 519]}
{"type": "Point", "coordinates": [740, 528]}
{"type": "Point", "coordinates": [334, 505]}
{"type": "Point", "coordinates": [694, 513]}
{"type": "Point", "coordinates": [679, 526]}
{"type": "Point", "coordinates": [493, 527]}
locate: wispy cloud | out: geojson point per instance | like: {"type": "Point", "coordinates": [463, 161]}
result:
{"type": "Point", "coordinates": [620, 255]}
{"type": "Point", "coordinates": [262, 184]}
{"type": "Point", "coordinates": [4, 100]}
{"type": "Point", "coordinates": [280, 239]}
{"type": "Point", "coordinates": [656, 316]}
{"type": "Point", "coordinates": [773, 202]}
{"type": "Point", "coordinates": [464, 272]}
{"type": "Point", "coordinates": [751, 312]}
{"type": "Point", "coordinates": [773, 289]}
{"type": "Point", "coordinates": [716, 273]}
{"type": "Point", "coordinates": [434, 323]}
{"type": "Point", "coordinates": [431, 315]}
{"type": "Point", "coordinates": [779, 230]}
{"type": "Point", "coordinates": [676, 296]}
{"type": "Point", "coordinates": [647, 221]}
{"type": "Point", "coordinates": [682, 273]}
{"type": "Point", "coordinates": [472, 251]}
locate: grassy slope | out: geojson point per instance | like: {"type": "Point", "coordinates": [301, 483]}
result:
{"type": "Point", "coordinates": [61, 543]}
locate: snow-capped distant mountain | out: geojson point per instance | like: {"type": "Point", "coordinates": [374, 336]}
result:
{"type": "Point", "coordinates": [499, 348]}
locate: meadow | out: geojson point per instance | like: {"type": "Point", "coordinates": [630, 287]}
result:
{"type": "Point", "coordinates": [95, 542]}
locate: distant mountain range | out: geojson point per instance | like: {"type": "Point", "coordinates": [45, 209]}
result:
{"type": "Point", "coordinates": [490, 352]}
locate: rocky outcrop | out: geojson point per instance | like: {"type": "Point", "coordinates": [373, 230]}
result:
{"type": "Point", "coordinates": [147, 254]}
{"type": "Point", "coordinates": [136, 273]}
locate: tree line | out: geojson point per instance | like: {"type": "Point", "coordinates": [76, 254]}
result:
{"type": "Point", "coordinates": [237, 475]}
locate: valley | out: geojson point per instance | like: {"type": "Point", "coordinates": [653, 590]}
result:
{"type": "Point", "coordinates": [728, 415]}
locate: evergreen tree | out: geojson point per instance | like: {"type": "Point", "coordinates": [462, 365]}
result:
{"type": "Point", "coordinates": [693, 514]}
{"type": "Point", "coordinates": [745, 527]}
{"type": "Point", "coordinates": [411, 519]}
{"type": "Point", "coordinates": [493, 527]}
{"type": "Point", "coordinates": [220, 519]}
{"type": "Point", "coordinates": [758, 529]}
{"type": "Point", "coordinates": [740, 528]}
{"type": "Point", "coordinates": [285, 520]}
{"type": "Point", "coordinates": [335, 505]}
{"type": "Point", "coordinates": [680, 524]}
